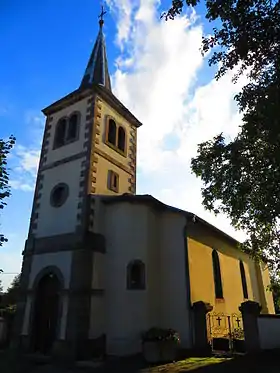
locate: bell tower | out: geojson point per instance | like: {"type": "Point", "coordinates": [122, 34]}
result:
{"type": "Point", "coordinates": [88, 148]}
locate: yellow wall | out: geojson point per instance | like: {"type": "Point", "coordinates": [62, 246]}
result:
{"type": "Point", "coordinates": [108, 111]}
{"type": "Point", "coordinates": [102, 175]}
{"type": "Point", "coordinates": [104, 158]}
{"type": "Point", "coordinates": [201, 242]}
{"type": "Point", "coordinates": [264, 281]}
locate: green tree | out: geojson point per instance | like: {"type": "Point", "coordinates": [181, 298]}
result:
{"type": "Point", "coordinates": [10, 296]}
{"type": "Point", "coordinates": [241, 178]}
{"type": "Point", "coordinates": [5, 190]}
{"type": "Point", "coordinates": [1, 286]}
{"type": "Point", "coordinates": [275, 289]}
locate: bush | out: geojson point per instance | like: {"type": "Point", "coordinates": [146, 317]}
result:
{"type": "Point", "coordinates": [159, 334]}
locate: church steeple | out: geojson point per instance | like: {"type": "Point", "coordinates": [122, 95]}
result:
{"type": "Point", "coordinates": [97, 68]}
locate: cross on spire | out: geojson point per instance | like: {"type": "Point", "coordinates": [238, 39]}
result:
{"type": "Point", "coordinates": [101, 15]}
{"type": "Point", "coordinates": [97, 72]}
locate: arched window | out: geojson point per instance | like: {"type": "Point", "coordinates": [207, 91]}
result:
{"type": "Point", "coordinates": [121, 138]}
{"type": "Point", "coordinates": [217, 275]}
{"type": "Point", "coordinates": [243, 280]}
{"type": "Point", "coordinates": [112, 132]}
{"type": "Point", "coordinates": [60, 132]}
{"type": "Point", "coordinates": [136, 275]}
{"type": "Point", "coordinates": [72, 131]}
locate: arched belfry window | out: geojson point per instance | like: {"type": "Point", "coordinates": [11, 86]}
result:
{"type": "Point", "coordinates": [217, 275]}
{"type": "Point", "coordinates": [67, 130]}
{"type": "Point", "coordinates": [72, 131]}
{"type": "Point", "coordinates": [243, 280]}
{"type": "Point", "coordinates": [112, 132]}
{"type": "Point", "coordinates": [115, 136]}
{"type": "Point", "coordinates": [136, 275]}
{"type": "Point", "coordinates": [60, 133]}
{"type": "Point", "coordinates": [121, 138]}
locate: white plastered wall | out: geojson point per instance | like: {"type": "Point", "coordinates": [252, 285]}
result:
{"type": "Point", "coordinates": [175, 308]}
{"type": "Point", "coordinates": [72, 148]}
{"type": "Point", "coordinates": [126, 310]}
{"type": "Point", "coordinates": [59, 220]}
{"type": "Point", "coordinates": [269, 332]}
{"type": "Point", "coordinates": [62, 260]}
{"type": "Point", "coordinates": [137, 231]}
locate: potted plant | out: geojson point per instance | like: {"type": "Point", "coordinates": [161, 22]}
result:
{"type": "Point", "coordinates": [160, 345]}
{"type": "Point", "coordinates": [238, 342]}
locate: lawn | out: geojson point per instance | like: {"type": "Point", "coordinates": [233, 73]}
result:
{"type": "Point", "coordinates": [186, 365]}
{"type": "Point", "coordinates": [260, 363]}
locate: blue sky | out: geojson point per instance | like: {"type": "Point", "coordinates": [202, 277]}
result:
{"type": "Point", "coordinates": [44, 50]}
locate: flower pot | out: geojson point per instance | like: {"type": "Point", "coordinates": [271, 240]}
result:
{"type": "Point", "coordinates": [239, 345]}
{"type": "Point", "coordinates": [168, 350]}
{"type": "Point", "coordinates": [159, 351]}
{"type": "Point", "coordinates": [151, 351]}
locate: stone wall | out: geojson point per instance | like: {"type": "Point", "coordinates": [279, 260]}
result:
{"type": "Point", "coordinates": [269, 331]}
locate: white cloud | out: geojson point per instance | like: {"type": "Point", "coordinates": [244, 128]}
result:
{"type": "Point", "coordinates": [25, 159]}
{"type": "Point", "coordinates": [124, 12]}
{"type": "Point", "coordinates": [28, 159]}
{"type": "Point", "coordinates": [11, 258]}
{"type": "Point", "coordinates": [158, 79]}
{"type": "Point", "coordinates": [19, 185]}
{"type": "Point", "coordinates": [35, 122]}
{"type": "Point", "coordinates": [34, 117]}
{"type": "Point", "coordinates": [24, 166]}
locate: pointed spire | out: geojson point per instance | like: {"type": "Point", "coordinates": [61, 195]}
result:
{"type": "Point", "coordinates": [97, 68]}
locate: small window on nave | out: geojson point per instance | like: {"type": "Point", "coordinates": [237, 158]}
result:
{"type": "Point", "coordinates": [217, 275]}
{"type": "Point", "coordinates": [136, 275]}
{"type": "Point", "coordinates": [243, 280]}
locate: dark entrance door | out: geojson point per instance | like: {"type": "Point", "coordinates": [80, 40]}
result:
{"type": "Point", "coordinates": [46, 313]}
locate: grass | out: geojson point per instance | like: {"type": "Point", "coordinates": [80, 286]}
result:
{"type": "Point", "coordinates": [185, 365]}
{"type": "Point", "coordinates": [259, 363]}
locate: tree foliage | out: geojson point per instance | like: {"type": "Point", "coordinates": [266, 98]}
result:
{"type": "Point", "coordinates": [241, 178]}
{"type": "Point", "coordinates": [10, 296]}
{"type": "Point", "coordinates": [275, 289]}
{"type": "Point", "coordinates": [5, 190]}
{"type": "Point", "coordinates": [1, 286]}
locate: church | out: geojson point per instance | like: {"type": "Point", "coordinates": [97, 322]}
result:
{"type": "Point", "coordinates": [102, 264]}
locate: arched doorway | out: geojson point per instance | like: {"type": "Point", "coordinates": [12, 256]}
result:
{"type": "Point", "coordinates": [46, 313]}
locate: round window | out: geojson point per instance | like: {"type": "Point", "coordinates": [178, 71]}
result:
{"type": "Point", "coordinates": [59, 195]}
